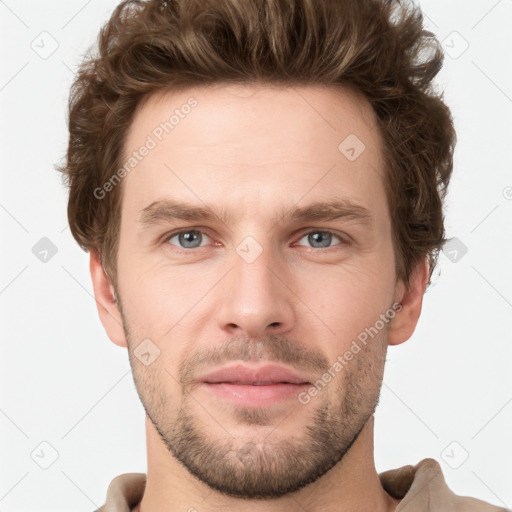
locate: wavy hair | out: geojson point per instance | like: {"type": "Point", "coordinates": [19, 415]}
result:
{"type": "Point", "coordinates": [378, 47]}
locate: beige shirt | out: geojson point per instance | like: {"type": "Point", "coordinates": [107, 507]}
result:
{"type": "Point", "coordinates": [420, 488]}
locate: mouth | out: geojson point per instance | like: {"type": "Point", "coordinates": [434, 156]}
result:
{"type": "Point", "coordinates": [268, 383]}
{"type": "Point", "coordinates": [255, 395]}
{"type": "Point", "coordinates": [255, 386]}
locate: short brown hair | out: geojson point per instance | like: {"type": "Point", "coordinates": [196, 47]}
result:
{"type": "Point", "coordinates": [378, 47]}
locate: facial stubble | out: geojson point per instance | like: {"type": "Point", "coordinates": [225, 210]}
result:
{"type": "Point", "coordinates": [256, 466]}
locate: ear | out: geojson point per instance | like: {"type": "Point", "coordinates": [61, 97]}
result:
{"type": "Point", "coordinates": [107, 308]}
{"type": "Point", "coordinates": [410, 296]}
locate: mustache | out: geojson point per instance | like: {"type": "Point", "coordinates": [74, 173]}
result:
{"type": "Point", "coordinates": [271, 349]}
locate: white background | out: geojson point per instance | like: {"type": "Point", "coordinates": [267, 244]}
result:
{"type": "Point", "coordinates": [64, 383]}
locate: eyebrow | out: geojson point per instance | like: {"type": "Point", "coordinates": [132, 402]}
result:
{"type": "Point", "coordinates": [167, 210]}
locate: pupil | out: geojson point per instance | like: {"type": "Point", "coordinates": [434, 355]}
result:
{"type": "Point", "coordinates": [323, 238]}
{"type": "Point", "coordinates": [187, 239]}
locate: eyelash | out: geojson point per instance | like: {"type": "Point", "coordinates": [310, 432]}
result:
{"type": "Point", "coordinates": [168, 236]}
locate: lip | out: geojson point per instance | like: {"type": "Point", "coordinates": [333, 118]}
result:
{"type": "Point", "coordinates": [256, 376]}
{"type": "Point", "coordinates": [254, 387]}
{"type": "Point", "coordinates": [249, 395]}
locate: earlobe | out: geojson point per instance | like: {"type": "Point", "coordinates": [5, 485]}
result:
{"type": "Point", "coordinates": [411, 298]}
{"type": "Point", "coordinates": [105, 301]}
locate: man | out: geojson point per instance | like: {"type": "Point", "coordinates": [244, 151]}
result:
{"type": "Point", "coordinates": [260, 185]}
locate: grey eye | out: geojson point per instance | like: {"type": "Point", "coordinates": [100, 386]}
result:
{"type": "Point", "coordinates": [320, 239]}
{"type": "Point", "coordinates": [188, 239]}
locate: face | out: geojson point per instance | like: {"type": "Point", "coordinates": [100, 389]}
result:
{"type": "Point", "coordinates": [255, 231]}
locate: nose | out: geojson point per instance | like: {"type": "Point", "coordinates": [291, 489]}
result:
{"type": "Point", "coordinates": [255, 299]}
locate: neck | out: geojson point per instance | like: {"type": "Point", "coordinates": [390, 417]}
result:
{"type": "Point", "coordinates": [351, 485]}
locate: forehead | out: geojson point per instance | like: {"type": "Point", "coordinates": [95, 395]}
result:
{"type": "Point", "coordinates": [262, 142]}
{"type": "Point", "coordinates": [225, 113]}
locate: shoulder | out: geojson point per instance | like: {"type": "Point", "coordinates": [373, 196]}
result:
{"type": "Point", "coordinates": [124, 492]}
{"type": "Point", "coordinates": [423, 487]}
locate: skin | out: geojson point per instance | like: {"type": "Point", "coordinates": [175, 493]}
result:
{"type": "Point", "coordinates": [253, 152]}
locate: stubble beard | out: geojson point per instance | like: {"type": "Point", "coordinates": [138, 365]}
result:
{"type": "Point", "coordinates": [257, 467]}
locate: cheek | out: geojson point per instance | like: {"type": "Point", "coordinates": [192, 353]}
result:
{"type": "Point", "coordinates": [148, 293]}
{"type": "Point", "coordinates": [347, 298]}
{"type": "Point", "coordinates": [160, 300]}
